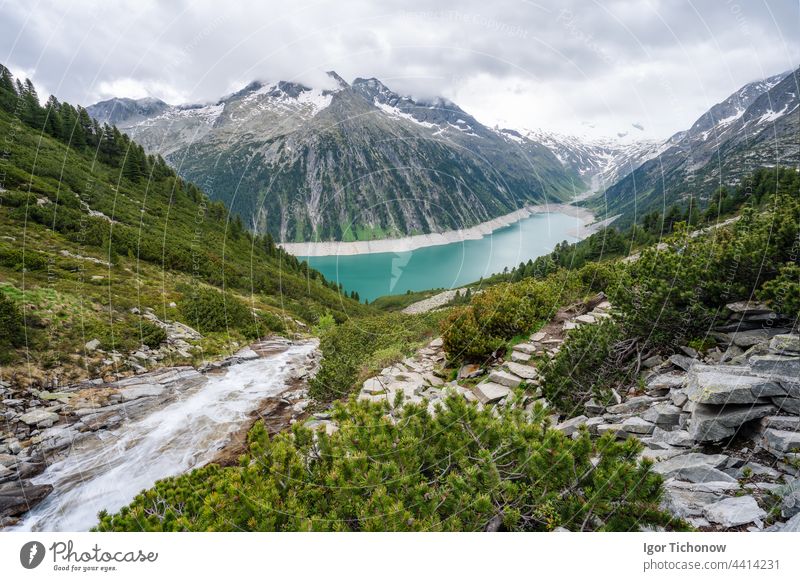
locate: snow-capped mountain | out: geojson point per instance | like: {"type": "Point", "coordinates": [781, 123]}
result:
{"type": "Point", "coordinates": [756, 126]}
{"type": "Point", "coordinates": [347, 161]}
{"type": "Point", "coordinates": [600, 162]}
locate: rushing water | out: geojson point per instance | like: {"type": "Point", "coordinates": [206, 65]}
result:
{"type": "Point", "coordinates": [449, 265]}
{"type": "Point", "coordinates": [108, 471]}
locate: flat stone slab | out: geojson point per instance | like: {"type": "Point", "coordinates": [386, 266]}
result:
{"type": "Point", "coordinates": [39, 418]}
{"type": "Point", "coordinates": [637, 425]}
{"type": "Point", "coordinates": [523, 371]}
{"type": "Point", "coordinates": [586, 319]}
{"type": "Point", "coordinates": [749, 307]}
{"type": "Point", "coordinates": [490, 392]}
{"type": "Point", "coordinates": [570, 426]}
{"type": "Point", "coordinates": [776, 367]}
{"type": "Point", "coordinates": [783, 344]}
{"type": "Point", "coordinates": [680, 438]}
{"type": "Point", "coordinates": [539, 336]}
{"type": "Point", "coordinates": [526, 348]}
{"type": "Point", "coordinates": [782, 441]}
{"type": "Point", "coordinates": [688, 499]}
{"type": "Point", "coordinates": [716, 384]}
{"type": "Point", "coordinates": [695, 467]}
{"type": "Point", "coordinates": [666, 380]}
{"type": "Point", "coordinates": [144, 390]}
{"type": "Point", "coordinates": [663, 414]}
{"type": "Point", "coordinates": [789, 405]}
{"type": "Point", "coordinates": [632, 405]}
{"type": "Point", "coordinates": [520, 357]}
{"type": "Point", "coordinates": [734, 511]}
{"type": "Point", "coordinates": [504, 378]}
{"type": "Point", "coordinates": [791, 423]}
{"type": "Point", "coordinates": [713, 423]}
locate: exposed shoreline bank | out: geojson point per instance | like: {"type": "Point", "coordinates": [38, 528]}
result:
{"type": "Point", "coordinates": [585, 225]}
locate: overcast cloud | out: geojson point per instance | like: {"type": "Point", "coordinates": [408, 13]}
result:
{"type": "Point", "coordinates": [572, 66]}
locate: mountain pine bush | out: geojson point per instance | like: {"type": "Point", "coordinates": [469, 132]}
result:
{"type": "Point", "coordinates": [465, 469]}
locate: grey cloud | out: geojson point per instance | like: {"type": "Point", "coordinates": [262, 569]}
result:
{"type": "Point", "coordinates": [565, 64]}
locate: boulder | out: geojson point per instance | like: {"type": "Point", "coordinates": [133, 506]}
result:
{"type": "Point", "coordinates": [572, 425]}
{"type": "Point", "coordinates": [688, 499]}
{"type": "Point", "coordinates": [520, 357]}
{"type": "Point", "coordinates": [637, 425]}
{"type": "Point", "coordinates": [632, 405]}
{"type": "Point", "coordinates": [143, 390]}
{"type": "Point", "coordinates": [539, 336]}
{"type": "Point", "coordinates": [791, 423]}
{"type": "Point", "coordinates": [504, 378]}
{"type": "Point", "coordinates": [752, 337]}
{"type": "Point", "coordinates": [728, 384]}
{"type": "Point", "coordinates": [710, 423]}
{"type": "Point", "coordinates": [19, 496]}
{"type": "Point", "coordinates": [523, 371]}
{"type": "Point", "coordinates": [615, 429]}
{"type": "Point", "coordinates": [781, 441]}
{"type": "Point", "coordinates": [776, 367]}
{"type": "Point", "coordinates": [785, 344]}
{"type": "Point", "coordinates": [680, 438]}
{"type": "Point", "coordinates": [748, 308]}
{"type": "Point", "coordinates": [789, 405]}
{"type": "Point", "coordinates": [734, 511]}
{"type": "Point", "coordinates": [586, 319]}
{"type": "Point", "coordinates": [373, 386]}
{"type": "Point", "coordinates": [92, 345]}
{"type": "Point", "coordinates": [39, 418]}
{"type": "Point", "coordinates": [663, 414]}
{"type": "Point", "coordinates": [526, 348]}
{"type": "Point", "coordinates": [490, 392]}
{"type": "Point", "coordinates": [666, 380]}
{"type": "Point", "coordinates": [695, 467]}
{"type": "Point", "coordinates": [682, 361]}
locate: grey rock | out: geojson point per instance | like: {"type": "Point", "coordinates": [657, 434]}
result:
{"type": "Point", "coordinates": [615, 429]}
{"type": "Point", "coordinates": [490, 392]}
{"type": "Point", "coordinates": [785, 344]}
{"type": "Point", "coordinates": [678, 397]}
{"type": "Point", "coordinates": [734, 511]}
{"type": "Point", "coordinates": [748, 307]}
{"type": "Point", "coordinates": [144, 390]}
{"type": "Point", "coordinates": [687, 499]}
{"type": "Point", "coordinates": [666, 380]}
{"type": "Point", "coordinates": [789, 494]}
{"type": "Point", "coordinates": [39, 418]}
{"type": "Point", "coordinates": [572, 425]}
{"type": "Point", "coordinates": [526, 348]}
{"type": "Point", "coordinates": [682, 361]}
{"type": "Point", "coordinates": [520, 357]}
{"type": "Point", "coordinates": [695, 467]}
{"type": "Point", "coordinates": [593, 408]}
{"type": "Point", "coordinates": [637, 425]}
{"type": "Point", "coordinates": [663, 414]}
{"type": "Point", "coordinates": [790, 405]}
{"type": "Point", "coordinates": [19, 496]}
{"type": "Point", "coordinates": [727, 384]}
{"type": "Point", "coordinates": [538, 336]}
{"type": "Point", "coordinates": [524, 371]}
{"type": "Point", "coordinates": [776, 367]}
{"type": "Point", "coordinates": [753, 337]}
{"type": "Point", "coordinates": [680, 438]}
{"type": "Point", "coordinates": [792, 525]}
{"type": "Point", "coordinates": [632, 405]}
{"type": "Point", "coordinates": [791, 423]}
{"type": "Point", "coordinates": [92, 345]}
{"type": "Point", "coordinates": [781, 441]}
{"type": "Point", "coordinates": [713, 423]}
{"type": "Point", "coordinates": [689, 351]}
{"type": "Point", "coordinates": [592, 424]}
{"type": "Point", "coordinates": [652, 361]}
{"type": "Point", "coordinates": [504, 378]}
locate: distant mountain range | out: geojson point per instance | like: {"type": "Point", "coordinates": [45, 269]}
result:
{"type": "Point", "coordinates": [355, 161]}
{"type": "Point", "coordinates": [757, 126]}
{"type": "Point", "coordinates": [359, 161]}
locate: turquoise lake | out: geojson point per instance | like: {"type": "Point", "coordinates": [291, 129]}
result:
{"type": "Point", "coordinates": [449, 265]}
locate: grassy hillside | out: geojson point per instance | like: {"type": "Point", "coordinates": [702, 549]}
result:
{"type": "Point", "coordinates": [93, 233]}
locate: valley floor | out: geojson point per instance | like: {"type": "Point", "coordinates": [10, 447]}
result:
{"type": "Point", "coordinates": [585, 226]}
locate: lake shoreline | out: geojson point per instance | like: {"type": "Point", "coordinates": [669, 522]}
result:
{"type": "Point", "coordinates": [585, 225]}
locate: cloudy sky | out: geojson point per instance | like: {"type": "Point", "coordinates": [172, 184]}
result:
{"type": "Point", "coordinates": [575, 66]}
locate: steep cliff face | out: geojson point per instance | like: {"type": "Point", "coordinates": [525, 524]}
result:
{"type": "Point", "coordinates": [348, 162]}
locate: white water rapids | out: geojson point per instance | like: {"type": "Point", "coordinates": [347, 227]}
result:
{"type": "Point", "coordinates": [107, 471]}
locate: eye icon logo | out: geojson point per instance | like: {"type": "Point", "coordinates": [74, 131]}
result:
{"type": "Point", "coordinates": [31, 554]}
